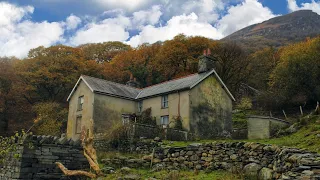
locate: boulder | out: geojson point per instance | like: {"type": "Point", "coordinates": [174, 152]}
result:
{"type": "Point", "coordinates": [265, 174]}
{"type": "Point", "coordinates": [251, 170]}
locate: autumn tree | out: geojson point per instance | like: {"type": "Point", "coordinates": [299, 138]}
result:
{"type": "Point", "coordinates": [14, 110]}
{"type": "Point", "coordinates": [295, 79]}
{"type": "Point", "coordinates": [103, 52]}
{"type": "Point", "coordinates": [50, 73]}
{"type": "Point", "coordinates": [51, 118]}
{"type": "Point", "coordinates": [138, 62]}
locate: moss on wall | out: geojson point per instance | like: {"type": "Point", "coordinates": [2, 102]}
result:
{"type": "Point", "coordinates": [108, 111]}
{"type": "Point", "coordinates": [210, 110]}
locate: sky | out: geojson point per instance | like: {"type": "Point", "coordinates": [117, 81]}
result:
{"type": "Point", "coordinates": [27, 24]}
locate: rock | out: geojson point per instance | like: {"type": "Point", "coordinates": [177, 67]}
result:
{"type": "Point", "coordinates": [125, 170]}
{"type": "Point", "coordinates": [265, 174]}
{"type": "Point", "coordinates": [307, 172]}
{"type": "Point", "coordinates": [251, 170]}
{"type": "Point", "coordinates": [293, 128]}
{"type": "Point", "coordinates": [131, 177]}
{"type": "Point", "coordinates": [194, 158]}
{"type": "Point", "coordinates": [147, 157]}
{"type": "Point", "coordinates": [318, 135]}
{"type": "Point", "coordinates": [233, 157]}
{"type": "Point", "coordinates": [189, 153]}
{"type": "Point", "coordinates": [195, 144]}
{"type": "Point", "coordinates": [155, 160]}
{"type": "Point", "coordinates": [198, 167]}
{"type": "Point", "coordinates": [107, 170]}
{"type": "Point", "coordinates": [157, 139]}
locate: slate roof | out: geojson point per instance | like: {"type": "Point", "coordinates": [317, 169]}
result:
{"type": "Point", "coordinates": [120, 90]}
{"type": "Point", "coordinates": [173, 85]}
{"type": "Point", "coordinates": [111, 88]}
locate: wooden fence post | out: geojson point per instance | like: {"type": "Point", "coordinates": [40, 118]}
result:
{"type": "Point", "coordinates": [301, 111]}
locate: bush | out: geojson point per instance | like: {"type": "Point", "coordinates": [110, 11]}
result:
{"type": "Point", "coordinates": [178, 123]}
{"type": "Point", "coordinates": [51, 119]}
{"type": "Point", "coordinates": [146, 118]}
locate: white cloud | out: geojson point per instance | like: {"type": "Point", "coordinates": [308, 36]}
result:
{"type": "Point", "coordinates": [186, 24]}
{"type": "Point", "coordinates": [18, 34]}
{"type": "Point", "coordinates": [112, 29]}
{"type": "Point", "coordinates": [247, 13]}
{"type": "Point", "coordinates": [313, 5]}
{"type": "Point", "coordinates": [147, 17]}
{"type": "Point", "coordinates": [10, 14]}
{"type": "Point", "coordinates": [72, 22]}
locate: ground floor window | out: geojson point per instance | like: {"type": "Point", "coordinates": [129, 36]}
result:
{"type": "Point", "coordinates": [164, 121]}
{"type": "Point", "coordinates": [78, 124]}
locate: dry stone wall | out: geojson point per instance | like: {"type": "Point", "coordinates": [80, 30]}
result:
{"type": "Point", "coordinates": [256, 161]}
{"type": "Point", "coordinates": [35, 159]}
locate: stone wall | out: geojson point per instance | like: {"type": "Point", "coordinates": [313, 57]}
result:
{"type": "Point", "coordinates": [35, 158]}
{"type": "Point", "coordinates": [256, 161]}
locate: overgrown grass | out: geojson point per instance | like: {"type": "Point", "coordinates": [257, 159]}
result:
{"type": "Point", "coordinates": [177, 175]}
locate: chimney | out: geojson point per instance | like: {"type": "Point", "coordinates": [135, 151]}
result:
{"type": "Point", "coordinates": [206, 62]}
{"type": "Point", "coordinates": [133, 82]}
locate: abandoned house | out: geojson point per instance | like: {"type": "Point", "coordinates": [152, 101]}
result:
{"type": "Point", "coordinates": [201, 100]}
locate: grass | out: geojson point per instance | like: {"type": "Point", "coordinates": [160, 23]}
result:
{"type": "Point", "coordinates": [177, 175]}
{"type": "Point", "coordinates": [305, 138]}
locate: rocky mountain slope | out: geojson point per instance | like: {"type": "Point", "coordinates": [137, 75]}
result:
{"type": "Point", "coordinates": [278, 31]}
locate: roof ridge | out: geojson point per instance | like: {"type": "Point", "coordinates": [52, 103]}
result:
{"type": "Point", "coordinates": [114, 82]}
{"type": "Point", "coordinates": [171, 80]}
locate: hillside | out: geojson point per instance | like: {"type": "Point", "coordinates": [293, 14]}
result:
{"type": "Point", "coordinates": [278, 31]}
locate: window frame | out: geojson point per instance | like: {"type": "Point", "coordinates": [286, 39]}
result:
{"type": "Point", "coordinates": [78, 122]}
{"type": "Point", "coordinates": [80, 103]}
{"type": "Point", "coordinates": [165, 101]}
{"type": "Point", "coordinates": [162, 118]}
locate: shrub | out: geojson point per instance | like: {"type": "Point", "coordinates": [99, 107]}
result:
{"type": "Point", "coordinates": [51, 119]}
{"type": "Point", "coordinates": [178, 122]}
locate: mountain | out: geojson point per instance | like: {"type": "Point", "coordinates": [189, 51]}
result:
{"type": "Point", "coordinates": [278, 31]}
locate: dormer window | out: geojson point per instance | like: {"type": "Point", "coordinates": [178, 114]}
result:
{"type": "Point", "coordinates": [164, 101]}
{"type": "Point", "coordinates": [80, 103]}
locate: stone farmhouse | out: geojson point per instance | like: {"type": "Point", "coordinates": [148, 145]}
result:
{"type": "Point", "coordinates": [201, 100]}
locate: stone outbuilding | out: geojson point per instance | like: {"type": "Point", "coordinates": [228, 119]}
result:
{"type": "Point", "coordinates": [264, 127]}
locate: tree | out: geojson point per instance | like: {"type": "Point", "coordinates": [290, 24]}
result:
{"type": "Point", "coordinates": [50, 73]}
{"type": "Point", "coordinates": [103, 52]}
{"type": "Point", "coordinates": [231, 64]}
{"type": "Point", "coordinates": [14, 110]}
{"type": "Point", "coordinates": [51, 118]}
{"type": "Point", "coordinates": [261, 65]}
{"type": "Point", "coordinates": [295, 79]}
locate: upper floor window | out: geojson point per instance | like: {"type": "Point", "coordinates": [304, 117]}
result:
{"type": "Point", "coordinates": [164, 101]}
{"type": "Point", "coordinates": [80, 103]}
{"type": "Point", "coordinates": [140, 105]}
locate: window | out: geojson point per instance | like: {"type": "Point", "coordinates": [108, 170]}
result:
{"type": "Point", "coordinates": [80, 103]}
{"type": "Point", "coordinates": [164, 101]}
{"type": "Point", "coordinates": [78, 124]}
{"type": "Point", "coordinates": [140, 106]}
{"type": "Point", "coordinates": [164, 120]}
{"type": "Point", "coordinates": [125, 119]}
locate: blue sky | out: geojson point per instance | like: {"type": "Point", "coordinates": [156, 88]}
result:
{"type": "Point", "coordinates": [27, 24]}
